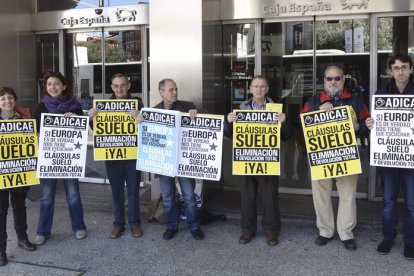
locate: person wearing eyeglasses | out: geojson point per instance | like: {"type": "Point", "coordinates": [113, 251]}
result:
{"type": "Point", "coordinates": [123, 171]}
{"type": "Point", "coordinates": [266, 186]}
{"type": "Point", "coordinates": [334, 95]}
{"type": "Point", "coordinates": [392, 179]}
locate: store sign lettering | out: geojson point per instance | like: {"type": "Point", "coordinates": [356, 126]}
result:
{"type": "Point", "coordinates": [319, 6]}
{"type": "Point", "coordinates": [103, 17]}
{"type": "Point", "coordinates": [239, 76]}
{"type": "Point", "coordinates": [296, 8]}
{"type": "Point", "coordinates": [84, 21]}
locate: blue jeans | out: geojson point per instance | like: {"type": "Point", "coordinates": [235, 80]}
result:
{"type": "Point", "coordinates": [120, 172]}
{"type": "Point", "coordinates": [187, 185]}
{"type": "Point", "coordinates": [392, 179]}
{"type": "Point", "coordinates": [47, 205]}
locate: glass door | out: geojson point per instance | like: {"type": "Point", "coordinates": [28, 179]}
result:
{"type": "Point", "coordinates": [239, 62]}
{"type": "Point", "coordinates": [92, 58]}
{"type": "Point", "coordinates": [47, 57]}
{"type": "Point", "coordinates": [287, 62]}
{"type": "Point", "coordinates": [294, 57]}
{"type": "Point", "coordinates": [346, 43]}
{"type": "Point", "coordinates": [394, 35]}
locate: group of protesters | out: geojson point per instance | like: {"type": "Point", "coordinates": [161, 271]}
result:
{"type": "Point", "coordinates": [58, 99]}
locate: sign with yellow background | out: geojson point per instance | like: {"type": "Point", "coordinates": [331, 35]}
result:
{"type": "Point", "coordinates": [18, 153]}
{"type": "Point", "coordinates": [331, 143]}
{"type": "Point", "coordinates": [256, 143]}
{"type": "Point", "coordinates": [115, 132]}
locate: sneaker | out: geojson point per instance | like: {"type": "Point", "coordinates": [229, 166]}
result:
{"type": "Point", "coordinates": [385, 247]}
{"type": "Point", "coordinates": [39, 240]}
{"type": "Point", "coordinates": [321, 240]}
{"type": "Point", "coordinates": [409, 252]}
{"type": "Point", "coordinates": [197, 234]}
{"type": "Point", "coordinates": [26, 245]}
{"type": "Point", "coordinates": [169, 234]}
{"type": "Point", "coordinates": [80, 234]}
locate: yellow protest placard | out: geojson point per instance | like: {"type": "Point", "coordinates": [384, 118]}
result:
{"type": "Point", "coordinates": [331, 143]}
{"type": "Point", "coordinates": [256, 143]}
{"type": "Point", "coordinates": [115, 131]}
{"type": "Point", "coordinates": [18, 153]}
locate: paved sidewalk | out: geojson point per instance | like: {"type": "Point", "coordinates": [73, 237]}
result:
{"type": "Point", "coordinates": [218, 254]}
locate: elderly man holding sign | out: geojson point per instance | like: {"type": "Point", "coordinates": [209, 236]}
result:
{"type": "Point", "coordinates": [264, 185]}
{"type": "Point", "coordinates": [334, 95]}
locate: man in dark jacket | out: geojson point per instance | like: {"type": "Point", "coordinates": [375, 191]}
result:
{"type": "Point", "coordinates": [169, 94]}
{"type": "Point", "coordinates": [392, 178]}
{"type": "Point", "coordinates": [123, 171]}
{"type": "Point", "coordinates": [335, 95]}
{"type": "Point", "coordinates": [266, 186]}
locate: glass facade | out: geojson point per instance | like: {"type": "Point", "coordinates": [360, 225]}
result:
{"type": "Point", "coordinates": [56, 5]}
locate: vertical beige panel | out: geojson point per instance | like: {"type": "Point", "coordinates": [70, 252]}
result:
{"type": "Point", "coordinates": [176, 47]}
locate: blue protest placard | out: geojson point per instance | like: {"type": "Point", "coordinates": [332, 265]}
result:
{"type": "Point", "coordinates": [158, 141]}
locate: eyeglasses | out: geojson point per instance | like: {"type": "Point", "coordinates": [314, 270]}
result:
{"type": "Point", "coordinates": [258, 86]}
{"type": "Point", "coordinates": [402, 68]}
{"type": "Point", "coordinates": [117, 86]}
{"type": "Point", "coordinates": [337, 78]}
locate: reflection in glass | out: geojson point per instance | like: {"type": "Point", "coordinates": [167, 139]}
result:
{"type": "Point", "coordinates": [239, 64]}
{"type": "Point", "coordinates": [122, 55]}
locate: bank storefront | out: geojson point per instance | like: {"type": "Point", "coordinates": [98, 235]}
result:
{"type": "Point", "coordinates": [214, 48]}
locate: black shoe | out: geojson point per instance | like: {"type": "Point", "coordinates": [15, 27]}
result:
{"type": "Point", "coordinates": [26, 245]}
{"type": "Point", "coordinates": [409, 252]}
{"type": "Point", "coordinates": [3, 258]}
{"type": "Point", "coordinates": [385, 247]}
{"type": "Point", "coordinates": [350, 244]}
{"type": "Point", "coordinates": [320, 240]}
{"type": "Point", "coordinates": [169, 234]}
{"type": "Point", "coordinates": [197, 234]}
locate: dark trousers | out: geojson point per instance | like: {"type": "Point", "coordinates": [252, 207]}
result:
{"type": "Point", "coordinates": [18, 202]}
{"type": "Point", "coordinates": [267, 188]}
{"type": "Point", "coordinates": [119, 173]}
{"type": "Point", "coordinates": [392, 179]}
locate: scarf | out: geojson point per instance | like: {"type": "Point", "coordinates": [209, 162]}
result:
{"type": "Point", "coordinates": [61, 105]}
{"type": "Point", "coordinates": [15, 116]}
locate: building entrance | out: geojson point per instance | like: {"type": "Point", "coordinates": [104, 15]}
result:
{"type": "Point", "coordinates": [293, 56]}
{"type": "Point", "coordinates": [89, 58]}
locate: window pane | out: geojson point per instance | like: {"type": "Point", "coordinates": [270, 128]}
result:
{"type": "Point", "coordinates": [239, 63]}
{"type": "Point", "coordinates": [288, 65]}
